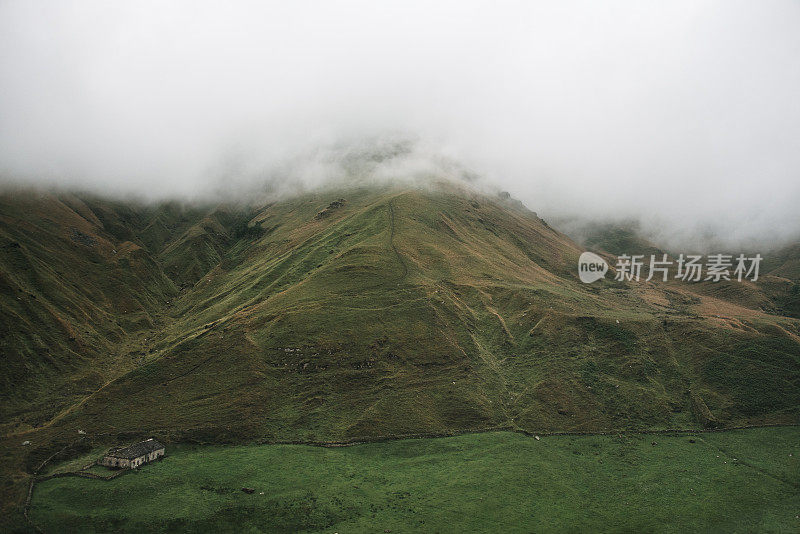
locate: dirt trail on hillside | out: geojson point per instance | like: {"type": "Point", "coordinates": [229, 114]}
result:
{"type": "Point", "coordinates": [394, 247]}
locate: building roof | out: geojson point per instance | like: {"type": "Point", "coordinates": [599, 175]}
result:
{"type": "Point", "coordinates": [136, 450]}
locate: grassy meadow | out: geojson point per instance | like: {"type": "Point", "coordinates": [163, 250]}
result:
{"type": "Point", "coordinates": [735, 481]}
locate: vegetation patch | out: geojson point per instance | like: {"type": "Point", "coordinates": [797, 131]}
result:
{"type": "Point", "coordinates": [735, 481]}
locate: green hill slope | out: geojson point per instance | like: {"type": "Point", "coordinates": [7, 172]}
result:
{"type": "Point", "coordinates": [381, 311]}
{"type": "Point", "coordinates": [357, 313]}
{"type": "Point", "coordinates": [71, 291]}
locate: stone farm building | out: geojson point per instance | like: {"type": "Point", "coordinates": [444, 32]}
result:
{"type": "Point", "coordinates": [133, 456]}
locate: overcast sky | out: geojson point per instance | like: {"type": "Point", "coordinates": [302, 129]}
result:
{"type": "Point", "coordinates": [686, 114]}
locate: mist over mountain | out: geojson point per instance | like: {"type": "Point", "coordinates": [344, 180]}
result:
{"type": "Point", "coordinates": [661, 114]}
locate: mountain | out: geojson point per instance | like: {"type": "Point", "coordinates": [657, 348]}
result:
{"type": "Point", "coordinates": [612, 237]}
{"type": "Point", "coordinates": [777, 291]}
{"type": "Point", "coordinates": [358, 312]}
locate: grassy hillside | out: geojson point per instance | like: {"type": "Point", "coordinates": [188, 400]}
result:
{"type": "Point", "coordinates": [356, 312]}
{"type": "Point", "coordinates": [71, 291]}
{"type": "Point", "coordinates": [740, 481]}
{"type": "Point", "coordinates": [409, 311]}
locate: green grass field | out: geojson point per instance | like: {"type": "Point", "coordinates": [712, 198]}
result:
{"type": "Point", "coordinates": [736, 481]}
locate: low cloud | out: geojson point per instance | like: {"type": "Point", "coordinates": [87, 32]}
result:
{"type": "Point", "coordinates": [682, 115]}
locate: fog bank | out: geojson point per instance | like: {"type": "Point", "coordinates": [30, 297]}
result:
{"type": "Point", "coordinates": [683, 115]}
